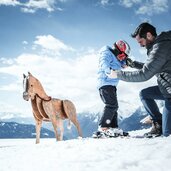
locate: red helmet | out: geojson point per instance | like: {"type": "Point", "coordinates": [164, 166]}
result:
{"type": "Point", "coordinates": [123, 48]}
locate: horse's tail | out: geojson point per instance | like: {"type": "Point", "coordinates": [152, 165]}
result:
{"type": "Point", "coordinates": [69, 124]}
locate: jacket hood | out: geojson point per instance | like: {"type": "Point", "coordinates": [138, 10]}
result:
{"type": "Point", "coordinates": [163, 36]}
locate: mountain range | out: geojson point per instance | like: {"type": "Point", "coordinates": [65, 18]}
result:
{"type": "Point", "coordinates": [16, 130]}
{"type": "Point", "coordinates": [24, 127]}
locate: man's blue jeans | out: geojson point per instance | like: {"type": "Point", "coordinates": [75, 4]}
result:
{"type": "Point", "coordinates": [148, 97]}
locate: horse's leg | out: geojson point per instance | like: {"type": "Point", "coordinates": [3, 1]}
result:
{"type": "Point", "coordinates": [60, 129]}
{"type": "Point", "coordinates": [74, 120]}
{"type": "Point", "coordinates": [70, 111]}
{"type": "Point", "coordinates": [76, 123]}
{"type": "Point", "coordinates": [50, 111]}
{"type": "Point", "coordinates": [38, 128]}
{"type": "Point", "coordinates": [54, 123]}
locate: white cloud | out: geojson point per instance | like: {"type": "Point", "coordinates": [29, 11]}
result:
{"type": "Point", "coordinates": [9, 109]}
{"type": "Point", "coordinates": [27, 10]}
{"type": "Point", "coordinates": [6, 61]}
{"type": "Point", "coordinates": [64, 78]}
{"type": "Point", "coordinates": [153, 7]}
{"type": "Point", "coordinates": [10, 87]}
{"type": "Point", "coordinates": [129, 3]}
{"type": "Point", "coordinates": [33, 5]}
{"type": "Point", "coordinates": [73, 79]}
{"type": "Point", "coordinates": [25, 42]}
{"type": "Point", "coordinates": [41, 4]}
{"type": "Point", "coordinates": [147, 7]}
{"type": "Point", "coordinates": [50, 43]}
{"type": "Point", "coordinates": [9, 2]}
{"type": "Point", "coordinates": [104, 2]}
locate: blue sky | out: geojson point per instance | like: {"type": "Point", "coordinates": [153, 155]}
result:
{"type": "Point", "coordinates": [58, 41]}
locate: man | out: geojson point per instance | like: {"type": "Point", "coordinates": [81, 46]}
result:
{"type": "Point", "coordinates": [110, 58]}
{"type": "Point", "coordinates": [158, 63]}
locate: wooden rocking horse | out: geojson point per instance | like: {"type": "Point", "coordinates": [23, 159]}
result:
{"type": "Point", "coordinates": [46, 108]}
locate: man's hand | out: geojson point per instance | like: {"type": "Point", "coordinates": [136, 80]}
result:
{"type": "Point", "coordinates": [130, 63]}
{"type": "Point", "coordinates": [113, 74]}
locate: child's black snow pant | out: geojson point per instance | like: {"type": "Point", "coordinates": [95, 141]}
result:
{"type": "Point", "coordinates": [109, 97]}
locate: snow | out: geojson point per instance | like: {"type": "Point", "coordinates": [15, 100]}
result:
{"type": "Point", "coordinates": [115, 154]}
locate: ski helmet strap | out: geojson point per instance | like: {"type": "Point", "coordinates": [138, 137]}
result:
{"type": "Point", "coordinates": [115, 51]}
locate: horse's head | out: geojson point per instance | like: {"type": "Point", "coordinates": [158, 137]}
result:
{"type": "Point", "coordinates": [28, 87]}
{"type": "Point", "coordinates": [33, 87]}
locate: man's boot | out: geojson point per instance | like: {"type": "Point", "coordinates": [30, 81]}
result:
{"type": "Point", "coordinates": [156, 130]}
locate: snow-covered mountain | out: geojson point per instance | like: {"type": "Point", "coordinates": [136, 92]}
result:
{"type": "Point", "coordinates": [88, 122]}
{"type": "Point", "coordinates": [16, 130]}
{"type": "Point", "coordinates": [132, 122]}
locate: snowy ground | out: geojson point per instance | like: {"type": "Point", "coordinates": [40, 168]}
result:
{"type": "Point", "coordinates": [117, 154]}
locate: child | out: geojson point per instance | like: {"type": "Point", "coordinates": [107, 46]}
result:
{"type": "Point", "coordinates": [110, 59]}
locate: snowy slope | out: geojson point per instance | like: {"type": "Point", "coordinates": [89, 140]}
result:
{"type": "Point", "coordinates": [120, 154]}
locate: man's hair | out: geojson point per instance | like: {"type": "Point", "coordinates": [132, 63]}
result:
{"type": "Point", "coordinates": [143, 29]}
